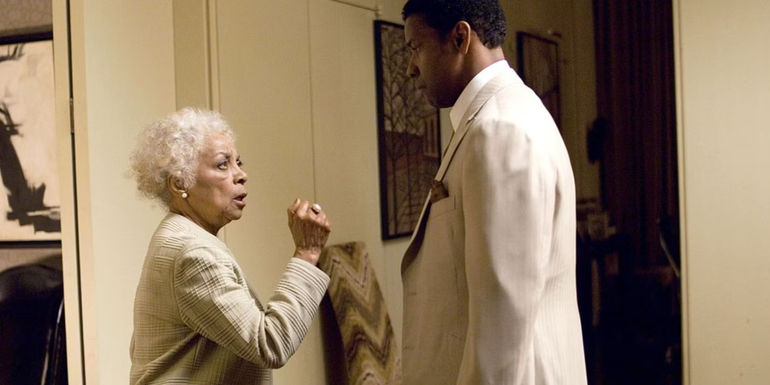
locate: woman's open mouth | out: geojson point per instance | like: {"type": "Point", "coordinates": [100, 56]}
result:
{"type": "Point", "coordinates": [240, 200]}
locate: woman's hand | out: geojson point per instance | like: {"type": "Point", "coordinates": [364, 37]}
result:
{"type": "Point", "coordinates": [310, 230]}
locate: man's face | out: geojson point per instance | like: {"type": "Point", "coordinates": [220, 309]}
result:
{"type": "Point", "coordinates": [433, 64]}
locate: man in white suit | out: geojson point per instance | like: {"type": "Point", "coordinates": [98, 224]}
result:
{"type": "Point", "coordinates": [489, 276]}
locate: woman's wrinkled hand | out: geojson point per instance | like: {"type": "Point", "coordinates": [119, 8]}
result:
{"type": "Point", "coordinates": [309, 229]}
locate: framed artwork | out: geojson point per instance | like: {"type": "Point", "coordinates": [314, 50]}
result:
{"type": "Point", "coordinates": [30, 203]}
{"type": "Point", "coordinates": [538, 60]}
{"type": "Point", "coordinates": [408, 135]}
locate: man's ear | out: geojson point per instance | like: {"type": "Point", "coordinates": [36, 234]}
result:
{"type": "Point", "coordinates": [461, 33]}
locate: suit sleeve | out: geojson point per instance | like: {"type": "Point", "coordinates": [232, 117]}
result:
{"type": "Point", "coordinates": [212, 302]}
{"type": "Point", "coordinates": [507, 192]}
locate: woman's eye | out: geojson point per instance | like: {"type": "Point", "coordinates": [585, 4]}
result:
{"type": "Point", "coordinates": [239, 163]}
{"type": "Point", "coordinates": [222, 166]}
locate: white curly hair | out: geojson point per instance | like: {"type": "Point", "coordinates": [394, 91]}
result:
{"type": "Point", "coordinates": [171, 146]}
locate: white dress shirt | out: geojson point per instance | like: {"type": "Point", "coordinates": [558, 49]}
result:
{"type": "Point", "coordinates": [472, 89]}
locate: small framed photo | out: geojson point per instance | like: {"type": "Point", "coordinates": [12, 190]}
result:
{"type": "Point", "coordinates": [538, 60]}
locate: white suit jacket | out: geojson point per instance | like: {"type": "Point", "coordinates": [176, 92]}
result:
{"type": "Point", "coordinates": [489, 276]}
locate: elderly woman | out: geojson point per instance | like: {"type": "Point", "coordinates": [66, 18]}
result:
{"type": "Point", "coordinates": [195, 319]}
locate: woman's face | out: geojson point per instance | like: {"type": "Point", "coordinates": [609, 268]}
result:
{"type": "Point", "coordinates": [219, 193]}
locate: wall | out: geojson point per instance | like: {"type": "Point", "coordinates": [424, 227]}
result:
{"type": "Point", "coordinates": [345, 107]}
{"type": "Point", "coordinates": [122, 79]}
{"type": "Point", "coordinates": [345, 132]}
{"type": "Point", "coordinates": [264, 92]}
{"type": "Point", "coordinates": [724, 89]}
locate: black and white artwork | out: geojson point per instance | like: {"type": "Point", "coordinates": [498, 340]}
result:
{"type": "Point", "coordinates": [30, 205]}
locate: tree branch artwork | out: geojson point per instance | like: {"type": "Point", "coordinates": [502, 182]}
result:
{"type": "Point", "coordinates": [408, 135]}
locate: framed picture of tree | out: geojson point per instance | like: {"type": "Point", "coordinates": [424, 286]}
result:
{"type": "Point", "coordinates": [408, 135]}
{"type": "Point", "coordinates": [29, 205]}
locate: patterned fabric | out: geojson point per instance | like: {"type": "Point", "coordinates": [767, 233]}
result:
{"type": "Point", "coordinates": [372, 355]}
{"type": "Point", "coordinates": [197, 322]}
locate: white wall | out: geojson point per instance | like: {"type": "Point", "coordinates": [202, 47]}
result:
{"type": "Point", "coordinates": [264, 92]}
{"type": "Point", "coordinates": [345, 131]}
{"type": "Point", "coordinates": [345, 128]}
{"type": "Point", "coordinates": [123, 78]}
{"type": "Point", "coordinates": [724, 91]}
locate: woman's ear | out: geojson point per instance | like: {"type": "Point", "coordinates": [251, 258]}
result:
{"type": "Point", "coordinates": [176, 185]}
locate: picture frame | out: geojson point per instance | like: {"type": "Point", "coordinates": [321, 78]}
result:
{"type": "Point", "coordinates": [408, 135]}
{"type": "Point", "coordinates": [538, 67]}
{"type": "Point", "coordinates": [30, 205]}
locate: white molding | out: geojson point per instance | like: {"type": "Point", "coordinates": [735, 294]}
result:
{"type": "Point", "coordinates": [684, 288]}
{"type": "Point", "coordinates": [376, 8]}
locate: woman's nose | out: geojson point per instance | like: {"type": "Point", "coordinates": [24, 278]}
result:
{"type": "Point", "coordinates": [242, 176]}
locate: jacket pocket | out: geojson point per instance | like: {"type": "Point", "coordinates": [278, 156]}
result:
{"type": "Point", "coordinates": [439, 208]}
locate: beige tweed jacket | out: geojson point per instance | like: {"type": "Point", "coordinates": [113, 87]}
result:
{"type": "Point", "coordinates": [197, 322]}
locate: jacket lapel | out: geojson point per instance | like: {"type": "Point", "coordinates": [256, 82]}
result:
{"type": "Point", "coordinates": [478, 102]}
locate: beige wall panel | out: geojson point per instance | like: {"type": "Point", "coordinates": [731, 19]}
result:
{"type": "Point", "coordinates": [345, 122]}
{"type": "Point", "coordinates": [724, 92]}
{"type": "Point", "coordinates": [264, 92]}
{"type": "Point", "coordinates": [391, 10]}
{"type": "Point", "coordinates": [123, 78]}
{"type": "Point", "coordinates": [345, 130]}
{"type": "Point", "coordinates": [191, 53]}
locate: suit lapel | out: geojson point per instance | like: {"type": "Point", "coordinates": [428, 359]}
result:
{"type": "Point", "coordinates": [478, 102]}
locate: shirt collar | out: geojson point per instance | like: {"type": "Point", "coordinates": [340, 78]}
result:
{"type": "Point", "coordinates": [472, 89]}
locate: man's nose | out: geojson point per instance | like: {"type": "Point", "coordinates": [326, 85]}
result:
{"type": "Point", "coordinates": [411, 70]}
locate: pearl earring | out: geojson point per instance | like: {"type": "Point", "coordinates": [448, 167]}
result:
{"type": "Point", "coordinates": [184, 195]}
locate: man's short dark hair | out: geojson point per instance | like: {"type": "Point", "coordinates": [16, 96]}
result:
{"type": "Point", "coordinates": [485, 17]}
